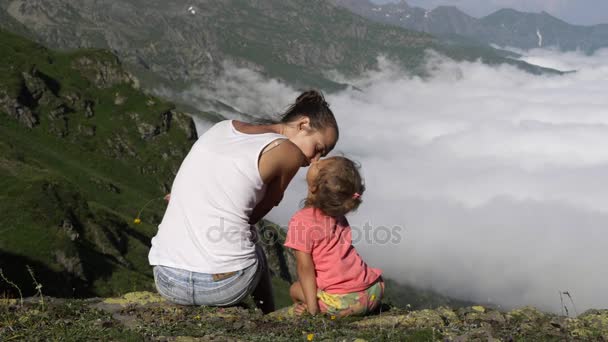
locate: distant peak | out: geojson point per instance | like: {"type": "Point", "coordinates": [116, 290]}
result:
{"type": "Point", "coordinates": [506, 11]}
{"type": "Point", "coordinates": [448, 8]}
{"type": "Point", "coordinates": [547, 14]}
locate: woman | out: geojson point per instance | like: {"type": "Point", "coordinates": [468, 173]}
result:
{"type": "Point", "coordinates": [203, 253]}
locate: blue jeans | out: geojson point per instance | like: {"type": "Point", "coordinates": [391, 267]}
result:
{"type": "Point", "coordinates": [193, 288]}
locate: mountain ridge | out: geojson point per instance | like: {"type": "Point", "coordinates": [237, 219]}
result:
{"type": "Point", "coordinates": [186, 42]}
{"type": "Point", "coordinates": [504, 27]}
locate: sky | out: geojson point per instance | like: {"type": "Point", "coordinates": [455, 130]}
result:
{"type": "Point", "coordinates": [484, 183]}
{"type": "Point", "coordinates": [580, 12]}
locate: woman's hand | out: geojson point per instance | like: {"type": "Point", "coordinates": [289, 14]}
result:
{"type": "Point", "coordinates": [167, 197]}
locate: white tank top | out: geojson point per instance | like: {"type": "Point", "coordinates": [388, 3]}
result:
{"type": "Point", "coordinates": [206, 226]}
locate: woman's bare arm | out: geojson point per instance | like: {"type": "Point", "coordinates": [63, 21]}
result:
{"type": "Point", "coordinates": [277, 169]}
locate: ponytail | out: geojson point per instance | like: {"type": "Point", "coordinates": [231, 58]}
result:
{"type": "Point", "coordinates": [311, 104]}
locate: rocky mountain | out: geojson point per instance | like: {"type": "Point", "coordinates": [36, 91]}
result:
{"type": "Point", "coordinates": [189, 41]}
{"type": "Point", "coordinates": [505, 27]}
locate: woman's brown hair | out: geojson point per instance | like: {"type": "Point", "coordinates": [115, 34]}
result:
{"type": "Point", "coordinates": [311, 104]}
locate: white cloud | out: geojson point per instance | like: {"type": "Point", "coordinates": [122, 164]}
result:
{"type": "Point", "coordinates": [498, 176]}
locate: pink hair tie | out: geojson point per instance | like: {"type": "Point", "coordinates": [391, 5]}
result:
{"type": "Point", "coordinates": [356, 195]}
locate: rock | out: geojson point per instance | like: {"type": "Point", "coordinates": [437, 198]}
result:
{"type": "Point", "coordinates": [136, 298]}
{"type": "Point", "coordinates": [479, 334]}
{"type": "Point", "coordinates": [449, 316]}
{"type": "Point", "coordinates": [119, 99]}
{"type": "Point", "coordinates": [87, 130]}
{"type": "Point", "coordinates": [88, 109]}
{"type": "Point", "coordinates": [59, 112]}
{"type": "Point", "coordinates": [17, 110]}
{"type": "Point", "coordinates": [134, 81]}
{"type": "Point", "coordinates": [104, 71]}
{"type": "Point", "coordinates": [422, 319]}
{"type": "Point", "coordinates": [113, 188]}
{"type": "Point", "coordinates": [479, 308]}
{"type": "Point", "coordinates": [119, 146]}
{"type": "Point", "coordinates": [186, 123]}
{"type": "Point", "coordinates": [147, 131]}
{"type": "Point", "coordinates": [526, 314]}
{"type": "Point", "coordinates": [72, 99]}
{"type": "Point", "coordinates": [24, 115]}
{"type": "Point", "coordinates": [478, 314]}
{"type": "Point", "coordinates": [494, 317]}
{"type": "Point", "coordinates": [592, 323]}
{"type": "Point", "coordinates": [69, 229]}
{"type": "Point", "coordinates": [166, 121]}
{"type": "Point", "coordinates": [72, 265]}
{"type": "Point", "coordinates": [36, 87]}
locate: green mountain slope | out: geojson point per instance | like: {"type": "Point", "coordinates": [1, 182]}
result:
{"type": "Point", "coordinates": [81, 151]}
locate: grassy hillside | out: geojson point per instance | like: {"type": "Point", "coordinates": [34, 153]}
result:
{"type": "Point", "coordinates": [81, 151]}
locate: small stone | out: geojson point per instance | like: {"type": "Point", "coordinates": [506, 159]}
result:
{"type": "Point", "coordinates": [479, 308]}
{"type": "Point", "coordinates": [88, 109]}
{"type": "Point", "coordinates": [119, 99]}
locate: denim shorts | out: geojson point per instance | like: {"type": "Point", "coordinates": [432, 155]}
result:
{"type": "Point", "coordinates": [194, 288]}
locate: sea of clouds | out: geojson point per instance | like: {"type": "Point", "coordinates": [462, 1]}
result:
{"type": "Point", "coordinates": [497, 178]}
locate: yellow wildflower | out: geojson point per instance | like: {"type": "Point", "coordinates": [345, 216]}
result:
{"type": "Point", "coordinates": [333, 317]}
{"type": "Point", "coordinates": [137, 220]}
{"type": "Point", "coordinates": [372, 297]}
{"type": "Point", "coordinates": [310, 337]}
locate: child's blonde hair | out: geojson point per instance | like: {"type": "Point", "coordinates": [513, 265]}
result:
{"type": "Point", "coordinates": [338, 187]}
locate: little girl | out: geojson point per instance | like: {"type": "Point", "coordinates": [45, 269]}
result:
{"type": "Point", "coordinates": [333, 278]}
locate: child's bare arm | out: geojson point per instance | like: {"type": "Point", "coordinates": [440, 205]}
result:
{"type": "Point", "coordinates": [306, 274]}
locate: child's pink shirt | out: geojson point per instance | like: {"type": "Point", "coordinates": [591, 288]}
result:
{"type": "Point", "coordinates": [339, 268]}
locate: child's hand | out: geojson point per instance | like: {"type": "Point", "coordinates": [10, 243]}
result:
{"type": "Point", "coordinates": [300, 309]}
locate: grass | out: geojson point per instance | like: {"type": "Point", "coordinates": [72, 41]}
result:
{"type": "Point", "coordinates": [68, 199]}
{"type": "Point", "coordinates": [76, 320]}
{"type": "Point", "coordinates": [144, 316]}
